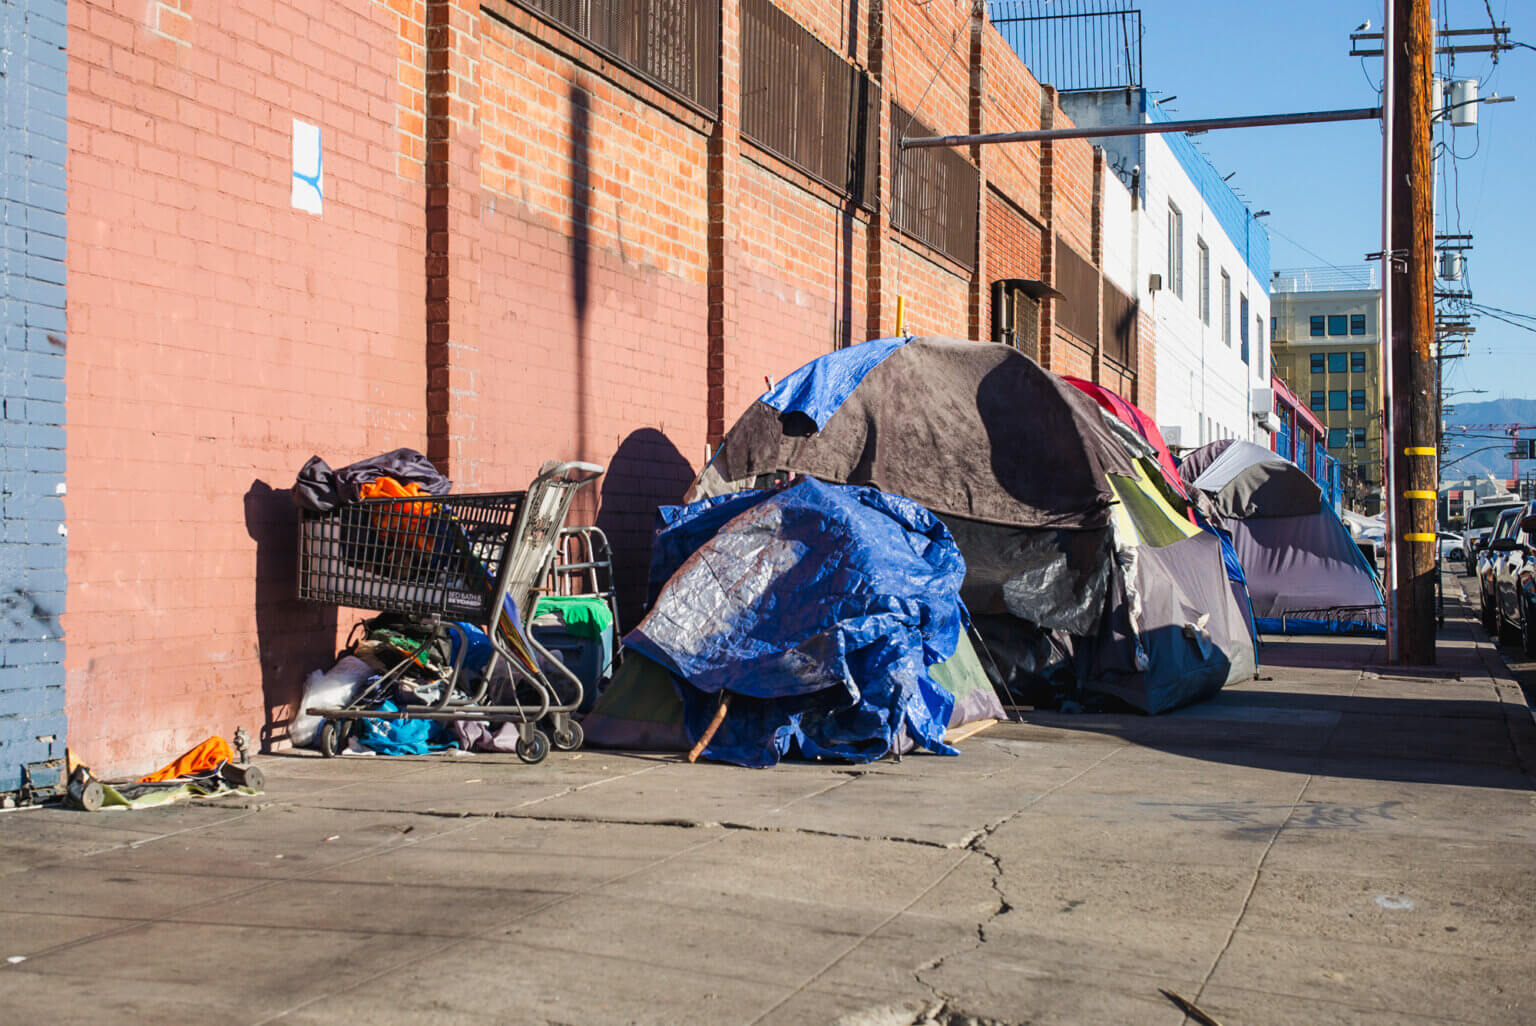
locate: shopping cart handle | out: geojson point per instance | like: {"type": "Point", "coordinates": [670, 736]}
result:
{"type": "Point", "coordinates": [571, 472]}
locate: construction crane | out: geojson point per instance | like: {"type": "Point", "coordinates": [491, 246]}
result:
{"type": "Point", "coordinates": [1513, 431]}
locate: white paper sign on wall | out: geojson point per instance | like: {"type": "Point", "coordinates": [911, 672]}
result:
{"type": "Point", "coordinates": [307, 181]}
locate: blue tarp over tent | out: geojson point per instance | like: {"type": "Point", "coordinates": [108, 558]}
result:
{"type": "Point", "coordinates": [819, 608]}
{"type": "Point", "coordinates": [819, 388]}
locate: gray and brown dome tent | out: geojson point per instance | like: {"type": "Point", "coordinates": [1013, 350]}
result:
{"type": "Point", "coordinates": [1081, 578]}
{"type": "Point", "coordinates": [1305, 573]}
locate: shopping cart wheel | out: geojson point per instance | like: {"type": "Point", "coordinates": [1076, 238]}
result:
{"type": "Point", "coordinates": [534, 747]}
{"type": "Point", "coordinates": [333, 738]}
{"type": "Point", "coordinates": [569, 739]}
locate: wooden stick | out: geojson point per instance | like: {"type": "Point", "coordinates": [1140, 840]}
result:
{"type": "Point", "coordinates": [1189, 1008]}
{"type": "Point", "coordinates": [709, 731]}
{"type": "Point", "coordinates": [955, 735]}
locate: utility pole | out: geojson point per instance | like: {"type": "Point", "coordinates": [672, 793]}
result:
{"type": "Point", "coordinates": [1408, 274]}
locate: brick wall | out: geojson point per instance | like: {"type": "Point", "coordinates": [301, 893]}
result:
{"type": "Point", "coordinates": [32, 371]}
{"type": "Point", "coordinates": [219, 337]}
{"type": "Point", "coordinates": [528, 251]}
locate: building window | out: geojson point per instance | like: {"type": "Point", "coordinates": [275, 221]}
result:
{"type": "Point", "coordinates": [1176, 250]}
{"type": "Point", "coordinates": [1318, 329]}
{"type": "Point", "coordinates": [1357, 324]}
{"type": "Point", "coordinates": [1319, 363]}
{"type": "Point", "coordinates": [1242, 323]}
{"type": "Point", "coordinates": [1205, 279]}
{"type": "Point", "coordinates": [1274, 328]}
{"type": "Point", "coordinates": [1338, 324]}
{"type": "Point", "coordinates": [1359, 438]}
{"type": "Point", "coordinates": [934, 192]}
{"type": "Point", "coordinates": [1226, 309]}
{"type": "Point", "coordinates": [1317, 399]}
{"type": "Point", "coordinates": [1338, 363]}
{"type": "Point", "coordinates": [1338, 438]}
{"type": "Point", "coordinates": [1338, 399]}
{"type": "Point", "coordinates": [1357, 363]}
{"type": "Point", "coordinates": [1258, 343]}
{"type": "Point", "coordinates": [1357, 399]}
{"type": "Point", "coordinates": [804, 103]}
{"type": "Point", "coordinates": [674, 45]}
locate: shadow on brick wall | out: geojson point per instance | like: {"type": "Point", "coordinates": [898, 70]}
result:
{"type": "Point", "coordinates": [292, 637]}
{"type": "Point", "coordinates": [645, 473]}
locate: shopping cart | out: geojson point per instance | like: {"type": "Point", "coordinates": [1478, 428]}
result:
{"type": "Point", "coordinates": [480, 559]}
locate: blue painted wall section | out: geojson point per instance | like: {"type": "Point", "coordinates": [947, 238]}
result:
{"type": "Point", "coordinates": [32, 545]}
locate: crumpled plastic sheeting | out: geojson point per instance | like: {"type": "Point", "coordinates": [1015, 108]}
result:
{"type": "Point", "coordinates": [819, 608]}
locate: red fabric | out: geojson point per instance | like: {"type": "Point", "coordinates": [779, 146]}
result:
{"type": "Point", "coordinates": [1139, 422]}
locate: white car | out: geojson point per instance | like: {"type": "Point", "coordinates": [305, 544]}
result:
{"type": "Point", "coordinates": [1451, 547]}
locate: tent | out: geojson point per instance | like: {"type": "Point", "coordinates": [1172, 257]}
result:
{"type": "Point", "coordinates": [1084, 582]}
{"type": "Point", "coordinates": [1135, 417]}
{"type": "Point", "coordinates": [817, 611]}
{"type": "Point", "coordinates": [1305, 573]}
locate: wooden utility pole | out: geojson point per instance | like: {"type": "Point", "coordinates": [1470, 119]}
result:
{"type": "Point", "coordinates": [1408, 274]}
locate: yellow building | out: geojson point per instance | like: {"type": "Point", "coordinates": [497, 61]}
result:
{"type": "Point", "coordinates": [1326, 328]}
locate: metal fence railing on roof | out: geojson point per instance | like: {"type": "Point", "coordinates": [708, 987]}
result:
{"type": "Point", "coordinates": [1074, 45]}
{"type": "Point", "coordinates": [1324, 279]}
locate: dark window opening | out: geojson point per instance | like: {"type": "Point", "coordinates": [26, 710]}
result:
{"type": "Point", "coordinates": [1357, 324]}
{"type": "Point", "coordinates": [1318, 329]}
{"type": "Point", "coordinates": [1338, 324]}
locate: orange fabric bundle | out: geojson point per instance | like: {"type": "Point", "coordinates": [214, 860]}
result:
{"type": "Point", "coordinates": [206, 756]}
{"type": "Point", "coordinates": [406, 519]}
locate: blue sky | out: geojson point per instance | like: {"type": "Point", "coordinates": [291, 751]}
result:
{"type": "Point", "coordinates": [1322, 183]}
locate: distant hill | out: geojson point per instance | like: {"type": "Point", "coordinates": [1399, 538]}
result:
{"type": "Point", "coordinates": [1493, 461]}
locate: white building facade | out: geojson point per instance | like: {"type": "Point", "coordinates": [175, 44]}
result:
{"type": "Point", "coordinates": [1199, 260]}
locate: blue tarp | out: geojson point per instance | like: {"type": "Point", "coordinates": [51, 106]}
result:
{"type": "Point", "coordinates": [819, 388]}
{"type": "Point", "coordinates": [819, 608]}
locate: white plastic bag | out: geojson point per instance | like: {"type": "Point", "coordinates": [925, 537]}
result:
{"type": "Point", "coordinates": [340, 685]}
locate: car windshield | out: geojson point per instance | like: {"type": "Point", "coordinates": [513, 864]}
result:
{"type": "Point", "coordinates": [1484, 516]}
{"type": "Point", "coordinates": [1506, 526]}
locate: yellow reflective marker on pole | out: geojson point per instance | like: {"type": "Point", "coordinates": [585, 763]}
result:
{"type": "Point", "coordinates": [1417, 494]}
{"type": "Point", "coordinates": [1419, 537]}
{"type": "Point", "coordinates": [1419, 450]}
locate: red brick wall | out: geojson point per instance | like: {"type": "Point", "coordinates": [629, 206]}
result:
{"type": "Point", "coordinates": [801, 284]}
{"type": "Point", "coordinates": [218, 338]}
{"type": "Point", "coordinates": [593, 310]}
{"type": "Point", "coordinates": [1012, 104]}
{"type": "Point", "coordinates": [607, 272]}
{"type": "Point", "coordinates": [1013, 244]}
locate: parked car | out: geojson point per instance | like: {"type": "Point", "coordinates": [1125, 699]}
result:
{"type": "Point", "coordinates": [1450, 546]}
{"type": "Point", "coordinates": [1481, 519]}
{"type": "Point", "coordinates": [1488, 558]}
{"type": "Point", "coordinates": [1515, 581]}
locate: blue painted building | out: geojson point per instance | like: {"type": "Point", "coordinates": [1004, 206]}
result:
{"type": "Point", "coordinates": [32, 288]}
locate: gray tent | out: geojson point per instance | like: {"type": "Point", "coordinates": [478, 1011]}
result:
{"type": "Point", "coordinates": [1305, 573]}
{"type": "Point", "coordinates": [1081, 578]}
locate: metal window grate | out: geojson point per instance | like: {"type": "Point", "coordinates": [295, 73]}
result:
{"type": "Point", "coordinates": [804, 103]}
{"type": "Point", "coordinates": [933, 192]}
{"type": "Point", "coordinates": [1078, 281]}
{"type": "Point", "coordinates": [1074, 44]}
{"type": "Point", "coordinates": [1120, 315]}
{"type": "Point", "coordinates": [673, 43]}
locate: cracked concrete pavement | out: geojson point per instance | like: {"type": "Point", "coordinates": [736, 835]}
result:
{"type": "Point", "coordinates": [1336, 843]}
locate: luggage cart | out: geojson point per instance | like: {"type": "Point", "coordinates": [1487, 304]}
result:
{"type": "Point", "coordinates": [478, 558]}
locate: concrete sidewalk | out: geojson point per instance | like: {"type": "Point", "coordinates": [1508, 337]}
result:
{"type": "Point", "coordinates": [1331, 844]}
